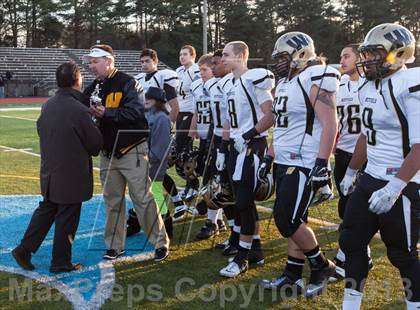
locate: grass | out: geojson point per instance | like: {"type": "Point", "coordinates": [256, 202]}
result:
{"type": "Point", "coordinates": [197, 263]}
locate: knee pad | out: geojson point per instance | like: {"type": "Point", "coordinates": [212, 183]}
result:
{"type": "Point", "coordinates": [248, 222]}
{"type": "Point", "coordinates": [283, 223]}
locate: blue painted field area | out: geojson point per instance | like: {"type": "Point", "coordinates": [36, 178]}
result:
{"type": "Point", "coordinates": [88, 247]}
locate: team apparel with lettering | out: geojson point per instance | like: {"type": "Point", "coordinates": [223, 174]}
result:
{"type": "Point", "coordinates": [202, 107]}
{"type": "Point", "coordinates": [186, 77]}
{"type": "Point", "coordinates": [390, 121]}
{"type": "Point", "coordinates": [297, 130]}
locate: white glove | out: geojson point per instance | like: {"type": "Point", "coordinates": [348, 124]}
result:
{"type": "Point", "coordinates": [347, 184]}
{"type": "Point", "coordinates": [240, 144]}
{"type": "Point", "coordinates": [220, 161]}
{"type": "Point", "coordinates": [382, 200]}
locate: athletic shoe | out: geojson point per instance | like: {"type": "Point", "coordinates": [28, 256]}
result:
{"type": "Point", "coordinates": [222, 245]}
{"type": "Point", "coordinates": [285, 283]}
{"type": "Point", "coordinates": [208, 230]}
{"type": "Point", "coordinates": [113, 254]}
{"type": "Point", "coordinates": [322, 197]}
{"type": "Point", "coordinates": [68, 268]}
{"type": "Point", "coordinates": [179, 213]}
{"type": "Point", "coordinates": [221, 225]}
{"type": "Point", "coordinates": [319, 279]}
{"type": "Point", "coordinates": [254, 257]}
{"type": "Point", "coordinates": [193, 211]}
{"type": "Point", "coordinates": [233, 269]}
{"type": "Point", "coordinates": [161, 254]}
{"type": "Point", "coordinates": [340, 272]}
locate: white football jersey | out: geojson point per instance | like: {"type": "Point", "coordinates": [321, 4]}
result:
{"type": "Point", "coordinates": [202, 107]}
{"type": "Point", "coordinates": [158, 79]}
{"type": "Point", "coordinates": [391, 121]}
{"type": "Point", "coordinates": [186, 77]}
{"type": "Point", "coordinates": [244, 99]}
{"type": "Point", "coordinates": [297, 130]}
{"type": "Point", "coordinates": [348, 111]}
{"type": "Point", "coordinates": [217, 102]}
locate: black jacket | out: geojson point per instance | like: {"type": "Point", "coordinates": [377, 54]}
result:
{"type": "Point", "coordinates": [68, 138]}
{"type": "Point", "coordinates": [123, 99]}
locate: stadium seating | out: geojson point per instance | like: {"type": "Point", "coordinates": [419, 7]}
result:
{"type": "Point", "coordinates": [36, 66]}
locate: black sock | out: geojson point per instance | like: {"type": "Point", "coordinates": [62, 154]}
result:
{"type": "Point", "coordinates": [295, 266]}
{"type": "Point", "coordinates": [256, 245]}
{"type": "Point", "coordinates": [316, 259]}
{"type": "Point", "coordinates": [234, 238]}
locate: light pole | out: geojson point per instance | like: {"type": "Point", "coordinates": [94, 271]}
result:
{"type": "Point", "coordinates": [204, 27]}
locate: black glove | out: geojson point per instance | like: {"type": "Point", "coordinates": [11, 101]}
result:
{"type": "Point", "coordinates": [265, 167]}
{"type": "Point", "coordinates": [319, 174]}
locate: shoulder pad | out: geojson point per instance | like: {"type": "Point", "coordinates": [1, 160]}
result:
{"type": "Point", "coordinates": [211, 83]}
{"type": "Point", "coordinates": [194, 72]}
{"type": "Point", "coordinates": [324, 76]}
{"type": "Point", "coordinates": [140, 76]}
{"type": "Point", "coordinates": [179, 69]}
{"type": "Point", "coordinates": [225, 81]}
{"type": "Point", "coordinates": [196, 84]}
{"type": "Point", "coordinates": [261, 78]}
{"type": "Point", "coordinates": [407, 81]}
{"type": "Point", "coordinates": [168, 77]}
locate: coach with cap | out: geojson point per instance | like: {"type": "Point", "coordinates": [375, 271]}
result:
{"type": "Point", "coordinates": [68, 139]}
{"type": "Point", "coordinates": [117, 101]}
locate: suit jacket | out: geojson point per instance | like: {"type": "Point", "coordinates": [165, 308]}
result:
{"type": "Point", "coordinates": [68, 138]}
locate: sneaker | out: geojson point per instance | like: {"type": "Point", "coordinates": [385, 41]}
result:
{"type": "Point", "coordinates": [285, 283]}
{"type": "Point", "coordinates": [234, 268]}
{"type": "Point", "coordinates": [221, 225]}
{"type": "Point", "coordinates": [193, 211]}
{"type": "Point", "coordinates": [113, 254]}
{"type": "Point", "coordinates": [322, 197]}
{"type": "Point", "coordinates": [340, 272]}
{"type": "Point", "coordinates": [23, 258]}
{"type": "Point", "coordinates": [208, 230]}
{"type": "Point", "coordinates": [319, 279]}
{"type": "Point", "coordinates": [255, 257]}
{"type": "Point", "coordinates": [222, 245]}
{"type": "Point", "coordinates": [161, 254]}
{"type": "Point", "coordinates": [179, 213]}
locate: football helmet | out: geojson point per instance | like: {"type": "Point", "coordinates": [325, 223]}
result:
{"type": "Point", "coordinates": [293, 50]}
{"type": "Point", "coordinates": [265, 188]}
{"type": "Point", "coordinates": [386, 47]}
{"type": "Point", "coordinates": [189, 163]}
{"type": "Point", "coordinates": [218, 194]}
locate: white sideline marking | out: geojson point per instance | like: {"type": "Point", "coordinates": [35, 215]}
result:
{"type": "Point", "coordinates": [12, 149]}
{"type": "Point", "coordinates": [20, 118]}
{"type": "Point", "coordinates": [19, 109]}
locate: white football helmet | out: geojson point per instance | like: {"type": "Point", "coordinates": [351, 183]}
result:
{"type": "Point", "coordinates": [386, 47]}
{"type": "Point", "coordinates": [297, 47]}
{"type": "Point", "coordinates": [265, 188]}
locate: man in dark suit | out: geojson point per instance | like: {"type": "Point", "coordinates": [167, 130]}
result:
{"type": "Point", "coordinates": [68, 139]}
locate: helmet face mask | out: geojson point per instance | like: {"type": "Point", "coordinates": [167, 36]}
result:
{"type": "Point", "coordinates": [373, 63]}
{"type": "Point", "coordinates": [282, 66]}
{"type": "Point", "coordinates": [218, 195]}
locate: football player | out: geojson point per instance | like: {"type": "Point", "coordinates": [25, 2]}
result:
{"type": "Point", "coordinates": [387, 195]}
{"type": "Point", "coordinates": [349, 126]}
{"type": "Point", "coordinates": [188, 72]}
{"type": "Point", "coordinates": [249, 113]}
{"type": "Point", "coordinates": [303, 138]}
{"type": "Point", "coordinates": [202, 125]}
{"type": "Point", "coordinates": [166, 80]}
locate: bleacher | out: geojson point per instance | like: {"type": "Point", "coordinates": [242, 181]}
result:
{"type": "Point", "coordinates": [36, 67]}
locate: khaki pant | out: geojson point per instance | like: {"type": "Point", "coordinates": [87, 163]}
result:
{"type": "Point", "coordinates": [115, 174]}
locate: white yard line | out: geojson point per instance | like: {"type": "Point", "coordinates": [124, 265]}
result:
{"type": "Point", "coordinates": [11, 149]}
{"type": "Point", "coordinates": [19, 109]}
{"type": "Point", "coordinates": [17, 117]}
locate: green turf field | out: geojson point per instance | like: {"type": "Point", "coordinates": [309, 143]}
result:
{"type": "Point", "coordinates": [195, 263]}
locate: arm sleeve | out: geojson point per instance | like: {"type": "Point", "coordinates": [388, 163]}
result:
{"type": "Point", "coordinates": [131, 108]}
{"type": "Point", "coordinates": [170, 92]}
